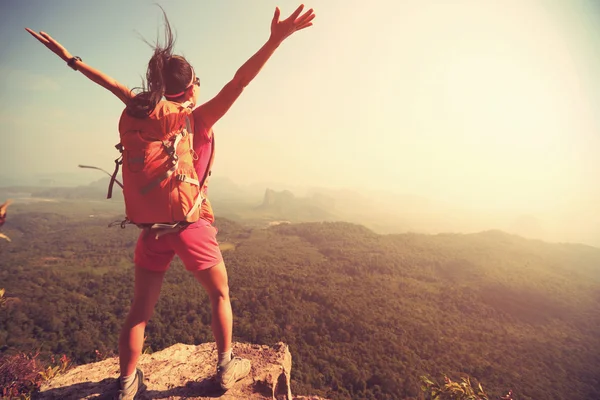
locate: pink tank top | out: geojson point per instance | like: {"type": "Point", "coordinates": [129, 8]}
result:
{"type": "Point", "coordinates": [203, 149]}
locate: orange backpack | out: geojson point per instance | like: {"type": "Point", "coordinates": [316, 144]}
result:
{"type": "Point", "coordinates": [160, 185]}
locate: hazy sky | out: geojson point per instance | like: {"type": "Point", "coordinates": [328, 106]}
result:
{"type": "Point", "coordinates": [489, 104]}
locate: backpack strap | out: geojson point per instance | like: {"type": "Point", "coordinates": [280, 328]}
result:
{"type": "Point", "coordinates": [162, 229]}
{"type": "Point", "coordinates": [122, 223]}
{"type": "Point", "coordinates": [199, 200]}
{"type": "Point", "coordinates": [113, 177]}
{"type": "Point", "coordinates": [157, 229]}
{"type": "Point", "coordinates": [185, 178]}
{"type": "Point", "coordinates": [159, 179]}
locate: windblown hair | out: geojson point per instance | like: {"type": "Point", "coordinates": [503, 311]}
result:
{"type": "Point", "coordinates": [166, 74]}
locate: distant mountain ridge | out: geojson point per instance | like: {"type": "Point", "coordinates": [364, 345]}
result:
{"type": "Point", "coordinates": [96, 190]}
{"type": "Point", "coordinates": [284, 205]}
{"type": "Point", "coordinates": [381, 211]}
{"type": "Point", "coordinates": [56, 179]}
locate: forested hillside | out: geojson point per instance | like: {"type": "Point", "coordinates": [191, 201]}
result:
{"type": "Point", "coordinates": [364, 314]}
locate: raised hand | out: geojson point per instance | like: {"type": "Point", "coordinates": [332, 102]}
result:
{"type": "Point", "coordinates": [4, 206]}
{"type": "Point", "coordinates": [280, 30]}
{"type": "Point", "coordinates": [51, 44]}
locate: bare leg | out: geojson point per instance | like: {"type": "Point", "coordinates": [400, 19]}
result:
{"type": "Point", "coordinates": [214, 280]}
{"type": "Point", "coordinates": [131, 340]}
{"type": "Point", "coordinates": [231, 370]}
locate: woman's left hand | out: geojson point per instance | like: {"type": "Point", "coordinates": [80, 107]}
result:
{"type": "Point", "coordinates": [280, 30]}
{"type": "Point", "coordinates": [51, 44]}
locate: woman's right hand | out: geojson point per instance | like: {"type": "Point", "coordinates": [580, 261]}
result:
{"type": "Point", "coordinates": [51, 44]}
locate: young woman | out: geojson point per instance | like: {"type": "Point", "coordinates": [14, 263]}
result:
{"type": "Point", "coordinates": [172, 77]}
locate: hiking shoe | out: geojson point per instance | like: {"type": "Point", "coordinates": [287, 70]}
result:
{"type": "Point", "coordinates": [131, 391]}
{"type": "Point", "coordinates": [237, 368]}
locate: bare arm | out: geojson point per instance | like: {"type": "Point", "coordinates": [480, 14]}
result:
{"type": "Point", "coordinates": [215, 108]}
{"type": "Point", "coordinates": [116, 88]}
{"type": "Point", "coordinates": [110, 84]}
{"type": "Point", "coordinates": [211, 111]}
{"type": "Point", "coordinates": [4, 206]}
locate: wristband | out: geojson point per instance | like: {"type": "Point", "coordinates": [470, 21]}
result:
{"type": "Point", "coordinates": [71, 62]}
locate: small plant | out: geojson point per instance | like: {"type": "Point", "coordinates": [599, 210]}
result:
{"type": "Point", "coordinates": [55, 369]}
{"type": "Point", "coordinates": [23, 374]}
{"type": "Point", "coordinates": [2, 298]}
{"type": "Point", "coordinates": [452, 390]}
{"type": "Point", "coordinates": [147, 349]}
{"type": "Point", "coordinates": [103, 355]}
{"type": "Point", "coordinates": [19, 375]}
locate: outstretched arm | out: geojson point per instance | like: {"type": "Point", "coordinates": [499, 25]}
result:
{"type": "Point", "coordinates": [4, 206]}
{"type": "Point", "coordinates": [211, 111]}
{"type": "Point", "coordinates": [116, 88]}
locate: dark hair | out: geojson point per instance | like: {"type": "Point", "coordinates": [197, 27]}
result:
{"type": "Point", "coordinates": [166, 74]}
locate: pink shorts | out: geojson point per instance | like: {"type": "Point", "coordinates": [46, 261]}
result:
{"type": "Point", "coordinates": [196, 246]}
